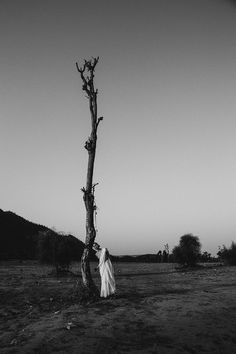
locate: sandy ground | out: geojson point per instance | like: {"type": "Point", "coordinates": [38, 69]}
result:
{"type": "Point", "coordinates": [156, 310]}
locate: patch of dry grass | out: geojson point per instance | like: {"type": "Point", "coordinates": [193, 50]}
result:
{"type": "Point", "coordinates": [156, 309]}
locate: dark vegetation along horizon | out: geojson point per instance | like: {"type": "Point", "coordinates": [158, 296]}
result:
{"type": "Point", "coordinates": [24, 240]}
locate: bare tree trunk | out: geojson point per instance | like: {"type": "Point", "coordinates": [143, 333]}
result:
{"type": "Point", "coordinates": [87, 76]}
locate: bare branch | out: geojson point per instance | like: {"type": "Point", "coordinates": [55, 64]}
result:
{"type": "Point", "coordinates": [89, 66]}
{"type": "Point", "coordinates": [93, 188]}
{"type": "Point", "coordinates": [80, 70]}
{"type": "Point", "coordinates": [99, 120]}
{"type": "Point", "coordinates": [95, 61]}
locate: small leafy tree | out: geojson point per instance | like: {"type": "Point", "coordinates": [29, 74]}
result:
{"type": "Point", "coordinates": [57, 250]}
{"type": "Point", "coordinates": [188, 251]}
{"type": "Point", "coordinates": [228, 255]}
{"type": "Point", "coordinates": [166, 253]}
{"type": "Point", "coordinates": [159, 256]}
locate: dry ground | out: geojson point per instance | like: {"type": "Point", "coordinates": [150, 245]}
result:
{"type": "Point", "coordinates": [157, 310]}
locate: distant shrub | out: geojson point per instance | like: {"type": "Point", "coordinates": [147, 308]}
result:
{"type": "Point", "coordinates": [206, 257]}
{"type": "Point", "coordinates": [228, 255]}
{"type": "Point", "coordinates": [165, 256]}
{"type": "Point", "coordinates": [63, 255]}
{"type": "Point", "coordinates": [188, 251]}
{"type": "Point", "coordinates": [58, 250]}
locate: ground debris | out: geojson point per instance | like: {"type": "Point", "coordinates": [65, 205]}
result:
{"type": "Point", "coordinates": [14, 342]}
{"type": "Point", "coordinates": [69, 325]}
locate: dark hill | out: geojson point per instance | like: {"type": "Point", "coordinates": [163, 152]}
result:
{"type": "Point", "coordinates": [19, 238]}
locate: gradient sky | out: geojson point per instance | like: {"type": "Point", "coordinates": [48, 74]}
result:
{"type": "Point", "coordinates": [166, 162]}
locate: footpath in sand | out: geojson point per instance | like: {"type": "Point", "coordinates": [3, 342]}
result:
{"type": "Point", "coordinates": [157, 310]}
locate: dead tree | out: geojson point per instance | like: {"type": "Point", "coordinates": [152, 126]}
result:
{"type": "Point", "coordinates": [87, 75]}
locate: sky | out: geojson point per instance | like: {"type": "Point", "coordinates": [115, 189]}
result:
{"type": "Point", "coordinates": [165, 162]}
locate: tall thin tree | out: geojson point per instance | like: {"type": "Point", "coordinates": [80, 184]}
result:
{"type": "Point", "coordinates": [87, 75]}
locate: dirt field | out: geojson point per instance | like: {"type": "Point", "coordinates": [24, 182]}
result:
{"type": "Point", "coordinates": [157, 310]}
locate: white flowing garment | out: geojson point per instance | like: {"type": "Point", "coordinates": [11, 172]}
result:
{"type": "Point", "coordinates": [108, 285]}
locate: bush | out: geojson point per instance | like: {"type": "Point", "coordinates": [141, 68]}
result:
{"type": "Point", "coordinates": [206, 257]}
{"type": "Point", "coordinates": [228, 255]}
{"type": "Point", "coordinates": [58, 250]}
{"type": "Point", "coordinates": [188, 251]}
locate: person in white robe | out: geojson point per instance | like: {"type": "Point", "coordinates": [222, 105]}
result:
{"type": "Point", "coordinates": [108, 285]}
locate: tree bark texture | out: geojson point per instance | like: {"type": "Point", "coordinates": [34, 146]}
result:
{"type": "Point", "coordinates": [87, 76]}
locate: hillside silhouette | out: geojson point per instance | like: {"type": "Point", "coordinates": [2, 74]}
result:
{"type": "Point", "coordinates": [19, 238]}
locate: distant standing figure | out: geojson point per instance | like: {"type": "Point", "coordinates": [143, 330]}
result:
{"type": "Point", "coordinates": [108, 285]}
